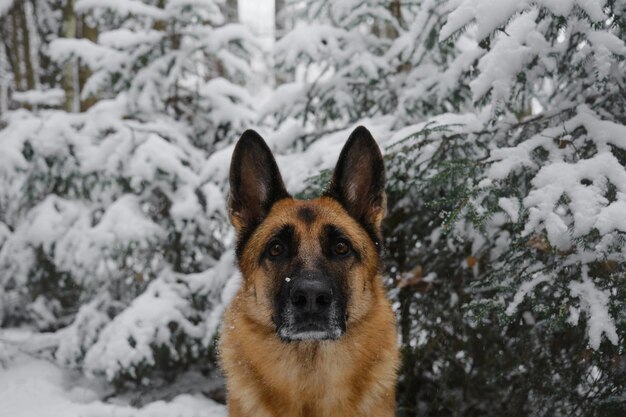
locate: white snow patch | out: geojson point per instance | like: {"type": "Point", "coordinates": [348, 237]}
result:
{"type": "Point", "coordinates": [511, 207]}
{"type": "Point", "coordinates": [612, 217]}
{"type": "Point", "coordinates": [509, 55]}
{"type": "Point", "coordinates": [524, 289]}
{"type": "Point", "coordinates": [595, 303]}
{"type": "Point", "coordinates": [125, 38]}
{"type": "Point", "coordinates": [123, 221]}
{"type": "Point", "coordinates": [488, 15]}
{"type": "Point", "coordinates": [128, 340]}
{"type": "Point", "coordinates": [123, 7]}
{"type": "Point", "coordinates": [52, 97]}
{"type": "Point", "coordinates": [33, 387]}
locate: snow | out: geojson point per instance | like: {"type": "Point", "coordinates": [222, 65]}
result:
{"type": "Point", "coordinates": [52, 97]}
{"type": "Point", "coordinates": [51, 220]}
{"type": "Point", "coordinates": [511, 206]}
{"type": "Point", "coordinates": [603, 132]}
{"type": "Point", "coordinates": [125, 38]}
{"type": "Point", "coordinates": [123, 7]}
{"type": "Point", "coordinates": [129, 198]}
{"type": "Point", "coordinates": [123, 221]}
{"type": "Point", "coordinates": [82, 334]}
{"type": "Point", "coordinates": [313, 41]}
{"type": "Point", "coordinates": [285, 93]}
{"type": "Point", "coordinates": [62, 393]}
{"type": "Point", "coordinates": [160, 316]}
{"type": "Point", "coordinates": [156, 155]}
{"type": "Point", "coordinates": [453, 123]}
{"type": "Point", "coordinates": [524, 290]}
{"type": "Point", "coordinates": [583, 183]}
{"type": "Point", "coordinates": [126, 343]}
{"type": "Point", "coordinates": [227, 100]}
{"type": "Point", "coordinates": [593, 8]}
{"type": "Point", "coordinates": [595, 303]}
{"type": "Point", "coordinates": [220, 37]}
{"type": "Point", "coordinates": [612, 217]}
{"type": "Point", "coordinates": [586, 201]}
{"type": "Point", "coordinates": [489, 15]}
{"type": "Point", "coordinates": [609, 40]}
{"type": "Point", "coordinates": [508, 57]}
{"type": "Point", "coordinates": [92, 54]}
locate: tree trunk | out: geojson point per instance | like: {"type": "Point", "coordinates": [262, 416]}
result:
{"type": "Point", "coordinates": [91, 33]}
{"type": "Point", "coordinates": [69, 73]}
{"type": "Point", "coordinates": [29, 74]}
{"type": "Point", "coordinates": [4, 82]}
{"type": "Point", "coordinates": [279, 19]}
{"type": "Point", "coordinates": [280, 27]}
{"type": "Point", "coordinates": [17, 68]}
{"type": "Point", "coordinates": [232, 11]}
{"type": "Point", "coordinates": [6, 30]}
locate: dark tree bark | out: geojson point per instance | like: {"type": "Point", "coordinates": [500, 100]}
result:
{"type": "Point", "coordinates": [279, 18]}
{"type": "Point", "coordinates": [85, 31]}
{"type": "Point", "coordinates": [232, 11]}
{"type": "Point", "coordinates": [14, 50]}
{"type": "Point", "coordinates": [280, 27]}
{"type": "Point", "coordinates": [29, 74]}
{"type": "Point", "coordinates": [69, 71]}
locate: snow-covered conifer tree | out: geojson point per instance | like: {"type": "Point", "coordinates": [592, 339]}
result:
{"type": "Point", "coordinates": [503, 125]}
{"type": "Point", "coordinates": [110, 232]}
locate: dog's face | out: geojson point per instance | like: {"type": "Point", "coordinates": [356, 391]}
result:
{"type": "Point", "coordinates": [308, 266]}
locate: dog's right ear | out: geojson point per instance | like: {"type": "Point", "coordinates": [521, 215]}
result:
{"type": "Point", "coordinates": [255, 183]}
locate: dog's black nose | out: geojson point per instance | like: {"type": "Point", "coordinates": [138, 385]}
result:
{"type": "Point", "coordinates": [311, 296]}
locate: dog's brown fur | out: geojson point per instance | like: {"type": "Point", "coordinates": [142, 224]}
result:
{"type": "Point", "coordinates": [354, 375]}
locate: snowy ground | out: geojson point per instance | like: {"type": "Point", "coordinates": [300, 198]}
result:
{"type": "Point", "coordinates": [32, 387]}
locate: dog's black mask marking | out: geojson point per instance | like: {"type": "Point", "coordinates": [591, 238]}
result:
{"type": "Point", "coordinates": [310, 305]}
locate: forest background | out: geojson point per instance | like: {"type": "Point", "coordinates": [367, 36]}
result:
{"type": "Point", "coordinates": [503, 125]}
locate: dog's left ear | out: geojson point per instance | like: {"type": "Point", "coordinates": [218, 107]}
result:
{"type": "Point", "coordinates": [358, 181]}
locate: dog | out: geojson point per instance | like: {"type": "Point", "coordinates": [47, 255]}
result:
{"type": "Point", "coordinates": [310, 332]}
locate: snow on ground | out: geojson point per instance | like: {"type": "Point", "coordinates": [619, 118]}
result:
{"type": "Point", "coordinates": [31, 387]}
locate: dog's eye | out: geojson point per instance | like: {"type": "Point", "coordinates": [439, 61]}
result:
{"type": "Point", "coordinates": [341, 248]}
{"type": "Point", "coordinates": [276, 249]}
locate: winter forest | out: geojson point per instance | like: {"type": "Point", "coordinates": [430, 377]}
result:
{"type": "Point", "coordinates": [503, 127]}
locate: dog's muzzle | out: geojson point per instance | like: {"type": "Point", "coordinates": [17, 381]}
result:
{"type": "Point", "coordinates": [311, 308]}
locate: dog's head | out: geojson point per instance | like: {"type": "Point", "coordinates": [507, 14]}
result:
{"type": "Point", "coordinates": [309, 266]}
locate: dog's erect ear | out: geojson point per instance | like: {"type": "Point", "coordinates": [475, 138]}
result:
{"type": "Point", "coordinates": [358, 182]}
{"type": "Point", "coordinates": [255, 183]}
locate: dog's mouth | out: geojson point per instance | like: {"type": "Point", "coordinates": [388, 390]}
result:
{"type": "Point", "coordinates": [294, 325]}
{"type": "Point", "coordinates": [310, 330]}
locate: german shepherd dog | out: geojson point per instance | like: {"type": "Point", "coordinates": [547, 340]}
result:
{"type": "Point", "coordinates": [310, 332]}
